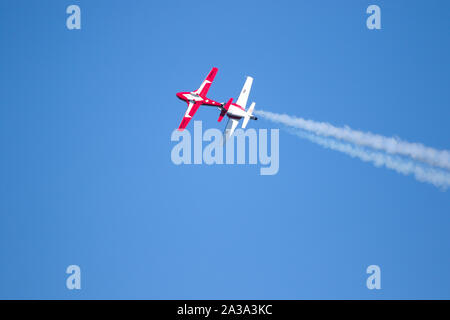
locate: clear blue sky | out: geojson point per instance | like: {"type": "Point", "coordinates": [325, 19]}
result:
{"type": "Point", "coordinates": [85, 170]}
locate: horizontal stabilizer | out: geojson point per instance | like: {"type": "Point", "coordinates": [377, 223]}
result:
{"type": "Point", "coordinates": [248, 116]}
{"type": "Point", "coordinates": [225, 109]}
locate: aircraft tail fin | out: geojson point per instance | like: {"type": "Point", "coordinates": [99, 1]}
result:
{"type": "Point", "coordinates": [249, 115]}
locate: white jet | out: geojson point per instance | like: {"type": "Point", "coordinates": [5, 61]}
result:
{"type": "Point", "coordinates": [236, 111]}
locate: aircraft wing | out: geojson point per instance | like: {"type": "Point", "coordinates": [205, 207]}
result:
{"type": "Point", "coordinates": [204, 87]}
{"type": "Point", "coordinates": [190, 111]}
{"type": "Point", "coordinates": [243, 97]}
{"type": "Point", "coordinates": [231, 126]}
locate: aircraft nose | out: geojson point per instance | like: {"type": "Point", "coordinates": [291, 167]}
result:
{"type": "Point", "coordinates": [179, 96]}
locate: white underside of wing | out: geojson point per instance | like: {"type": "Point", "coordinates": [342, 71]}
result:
{"type": "Point", "coordinates": [231, 126]}
{"type": "Point", "coordinates": [188, 110]}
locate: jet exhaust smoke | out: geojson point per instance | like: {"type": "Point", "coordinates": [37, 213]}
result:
{"type": "Point", "coordinates": [416, 151]}
{"type": "Point", "coordinates": [387, 152]}
{"type": "Point", "coordinates": [422, 173]}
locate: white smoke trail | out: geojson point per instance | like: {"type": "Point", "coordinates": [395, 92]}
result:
{"type": "Point", "coordinates": [416, 151]}
{"type": "Point", "coordinates": [437, 177]}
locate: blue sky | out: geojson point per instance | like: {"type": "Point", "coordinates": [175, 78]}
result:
{"type": "Point", "coordinates": [86, 176]}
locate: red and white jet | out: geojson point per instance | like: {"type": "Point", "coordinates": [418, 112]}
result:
{"type": "Point", "coordinates": [197, 98]}
{"type": "Point", "coordinates": [236, 111]}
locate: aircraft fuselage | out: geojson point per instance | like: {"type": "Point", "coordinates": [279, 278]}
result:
{"type": "Point", "coordinates": [236, 111]}
{"type": "Point", "coordinates": [194, 97]}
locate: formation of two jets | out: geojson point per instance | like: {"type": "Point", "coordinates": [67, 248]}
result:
{"type": "Point", "coordinates": [234, 111]}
